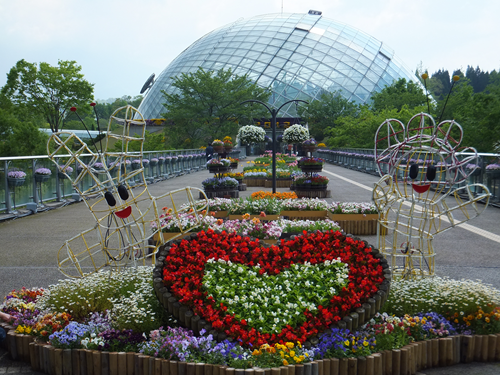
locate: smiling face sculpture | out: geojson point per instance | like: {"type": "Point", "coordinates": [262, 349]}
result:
{"type": "Point", "coordinates": [423, 190]}
{"type": "Point", "coordinates": [127, 216]}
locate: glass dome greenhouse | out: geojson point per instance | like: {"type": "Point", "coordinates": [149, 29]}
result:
{"type": "Point", "coordinates": [299, 56]}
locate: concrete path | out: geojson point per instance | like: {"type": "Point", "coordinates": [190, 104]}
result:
{"type": "Point", "coordinates": [29, 245]}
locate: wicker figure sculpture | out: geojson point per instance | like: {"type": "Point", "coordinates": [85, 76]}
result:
{"type": "Point", "coordinates": [423, 189]}
{"type": "Point", "coordinates": [118, 198]}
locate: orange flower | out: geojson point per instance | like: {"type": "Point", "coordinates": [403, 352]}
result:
{"type": "Point", "coordinates": [220, 221]}
{"type": "Point", "coordinates": [262, 214]}
{"type": "Point", "coordinates": [246, 216]}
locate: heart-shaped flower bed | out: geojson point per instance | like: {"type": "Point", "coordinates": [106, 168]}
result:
{"type": "Point", "coordinates": [260, 294]}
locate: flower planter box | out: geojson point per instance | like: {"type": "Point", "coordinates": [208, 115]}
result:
{"type": "Point", "coordinates": [169, 236]}
{"type": "Point", "coordinates": [304, 215]}
{"type": "Point", "coordinates": [412, 358]}
{"type": "Point", "coordinates": [307, 148]}
{"type": "Point", "coordinates": [309, 187]}
{"type": "Point", "coordinates": [312, 193]}
{"type": "Point", "coordinates": [221, 214]}
{"type": "Point", "coordinates": [357, 224]}
{"type": "Point", "coordinates": [267, 218]}
{"type": "Point", "coordinates": [218, 169]}
{"type": "Point", "coordinates": [13, 182]}
{"type": "Point", "coordinates": [475, 173]}
{"type": "Point", "coordinates": [220, 188]}
{"type": "Point", "coordinates": [311, 168]}
{"type": "Point", "coordinates": [255, 181]}
{"type": "Point", "coordinates": [41, 177]}
{"type": "Point", "coordinates": [153, 163]}
{"type": "Point", "coordinates": [233, 165]}
{"type": "Point", "coordinates": [280, 182]}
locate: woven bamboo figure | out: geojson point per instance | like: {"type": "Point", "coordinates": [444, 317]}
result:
{"type": "Point", "coordinates": [127, 216]}
{"type": "Point", "coordinates": [423, 190]}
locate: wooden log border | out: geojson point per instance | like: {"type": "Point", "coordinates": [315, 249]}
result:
{"type": "Point", "coordinates": [410, 359]}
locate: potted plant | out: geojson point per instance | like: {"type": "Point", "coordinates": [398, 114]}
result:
{"type": "Point", "coordinates": [218, 146]}
{"type": "Point", "coordinates": [153, 162]}
{"type": "Point", "coordinates": [16, 178]}
{"type": "Point", "coordinates": [161, 160]}
{"type": "Point", "coordinates": [473, 170]}
{"type": "Point", "coordinates": [42, 174]}
{"type": "Point", "coordinates": [251, 134]}
{"type": "Point", "coordinates": [295, 134]}
{"type": "Point", "coordinates": [136, 164]}
{"type": "Point", "coordinates": [228, 143]}
{"type": "Point", "coordinates": [311, 164]}
{"type": "Point", "coordinates": [218, 166]}
{"type": "Point", "coordinates": [493, 170]}
{"type": "Point", "coordinates": [309, 145]}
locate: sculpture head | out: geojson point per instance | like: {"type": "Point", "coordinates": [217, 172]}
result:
{"type": "Point", "coordinates": [118, 196]}
{"type": "Point", "coordinates": [421, 156]}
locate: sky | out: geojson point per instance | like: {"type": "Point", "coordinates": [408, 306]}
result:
{"type": "Point", "coordinates": [119, 44]}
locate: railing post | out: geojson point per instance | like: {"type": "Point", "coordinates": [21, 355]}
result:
{"type": "Point", "coordinates": [8, 206]}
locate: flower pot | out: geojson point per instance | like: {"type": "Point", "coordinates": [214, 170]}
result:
{"type": "Point", "coordinates": [153, 163]}
{"type": "Point", "coordinates": [41, 177]}
{"type": "Point", "coordinates": [218, 149]}
{"type": "Point", "coordinates": [476, 172]}
{"type": "Point", "coordinates": [61, 176]}
{"type": "Point", "coordinates": [136, 166]}
{"type": "Point", "coordinates": [228, 149]}
{"type": "Point", "coordinates": [13, 182]}
{"type": "Point", "coordinates": [233, 165]}
{"type": "Point", "coordinates": [357, 224]}
{"type": "Point", "coordinates": [493, 173]}
{"type": "Point", "coordinates": [311, 168]}
{"type": "Point", "coordinates": [309, 148]}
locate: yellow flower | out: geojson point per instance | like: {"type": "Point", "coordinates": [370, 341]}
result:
{"type": "Point", "coordinates": [299, 344]}
{"type": "Point", "coordinates": [346, 342]}
{"type": "Point", "coordinates": [20, 329]}
{"type": "Point", "coordinates": [256, 352]}
{"type": "Point", "coordinates": [292, 353]}
{"type": "Point", "coordinates": [285, 362]}
{"type": "Point", "coordinates": [27, 330]}
{"type": "Point", "coordinates": [487, 320]}
{"type": "Point", "coordinates": [365, 343]}
{"type": "Point", "coordinates": [297, 359]}
{"type": "Point", "coordinates": [289, 345]}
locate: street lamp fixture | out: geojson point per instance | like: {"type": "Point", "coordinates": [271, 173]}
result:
{"type": "Point", "coordinates": [274, 113]}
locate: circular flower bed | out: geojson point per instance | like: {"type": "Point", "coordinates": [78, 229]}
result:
{"type": "Point", "coordinates": [298, 313]}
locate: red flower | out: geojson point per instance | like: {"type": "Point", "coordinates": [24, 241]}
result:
{"type": "Point", "coordinates": [184, 268]}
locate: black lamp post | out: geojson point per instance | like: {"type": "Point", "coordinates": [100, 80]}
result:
{"type": "Point", "coordinates": [274, 112]}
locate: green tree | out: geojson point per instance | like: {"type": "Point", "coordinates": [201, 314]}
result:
{"type": "Point", "coordinates": [322, 114]}
{"type": "Point", "coordinates": [359, 131]}
{"type": "Point", "coordinates": [18, 138]}
{"type": "Point", "coordinates": [208, 106]}
{"type": "Point", "coordinates": [48, 90]}
{"type": "Point", "coordinates": [399, 94]}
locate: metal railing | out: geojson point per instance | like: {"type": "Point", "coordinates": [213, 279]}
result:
{"type": "Point", "coordinates": [363, 160]}
{"type": "Point", "coordinates": [17, 193]}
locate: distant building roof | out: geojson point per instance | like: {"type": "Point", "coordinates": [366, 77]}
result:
{"type": "Point", "coordinates": [83, 134]}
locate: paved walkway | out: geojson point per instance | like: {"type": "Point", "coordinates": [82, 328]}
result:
{"type": "Point", "coordinates": [29, 245]}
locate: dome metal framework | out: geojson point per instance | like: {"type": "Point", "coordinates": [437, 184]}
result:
{"type": "Point", "coordinates": [298, 56]}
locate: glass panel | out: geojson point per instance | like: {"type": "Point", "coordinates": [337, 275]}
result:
{"type": "Point", "coordinates": [278, 62]}
{"type": "Point", "coordinates": [355, 75]}
{"type": "Point", "coordinates": [362, 93]}
{"type": "Point", "coordinates": [367, 84]}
